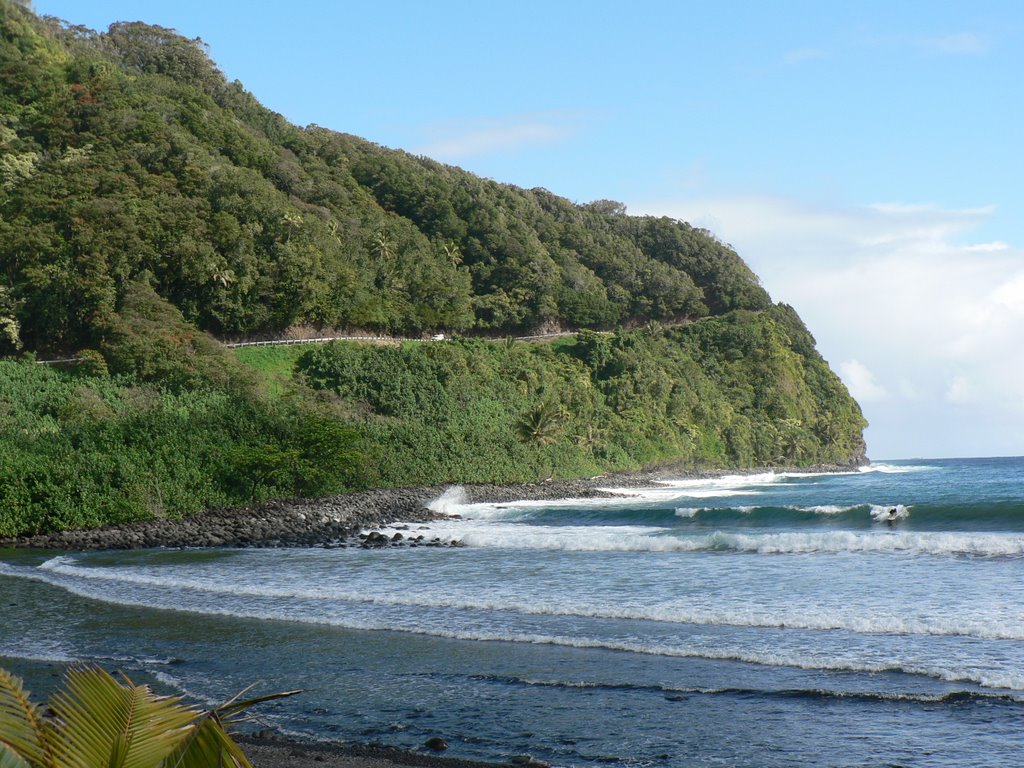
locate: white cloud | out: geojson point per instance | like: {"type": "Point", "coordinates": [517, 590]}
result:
{"type": "Point", "coordinates": [997, 245]}
{"type": "Point", "coordinates": [959, 390]}
{"type": "Point", "coordinates": [454, 140]}
{"type": "Point", "coordinates": [924, 320]}
{"type": "Point", "coordinates": [861, 381]}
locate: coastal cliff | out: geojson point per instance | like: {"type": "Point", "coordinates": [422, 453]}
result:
{"type": "Point", "coordinates": [149, 207]}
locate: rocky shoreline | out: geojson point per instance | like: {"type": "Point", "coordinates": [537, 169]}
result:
{"type": "Point", "coordinates": [336, 521]}
{"type": "Point", "coordinates": [328, 521]}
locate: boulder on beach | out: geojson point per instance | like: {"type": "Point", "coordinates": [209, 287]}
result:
{"type": "Point", "coordinates": [436, 743]}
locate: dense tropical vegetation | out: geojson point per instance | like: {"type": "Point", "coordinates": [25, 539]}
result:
{"type": "Point", "coordinates": [728, 391]}
{"type": "Point", "coordinates": [148, 205]}
{"type": "Point", "coordinates": [127, 152]}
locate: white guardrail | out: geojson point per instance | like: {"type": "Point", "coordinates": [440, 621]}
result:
{"type": "Point", "coordinates": [438, 337]}
{"type": "Point", "coordinates": [325, 339]}
{"type": "Point", "coordinates": [322, 340]}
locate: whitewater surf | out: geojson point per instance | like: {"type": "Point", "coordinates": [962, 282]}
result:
{"type": "Point", "coordinates": [584, 631]}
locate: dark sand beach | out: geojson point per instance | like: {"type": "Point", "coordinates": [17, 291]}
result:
{"type": "Point", "coordinates": [284, 753]}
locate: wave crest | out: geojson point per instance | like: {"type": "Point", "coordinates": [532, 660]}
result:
{"type": "Point", "coordinates": [449, 502]}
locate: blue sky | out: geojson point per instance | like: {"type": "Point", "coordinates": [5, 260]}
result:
{"type": "Point", "coordinates": [863, 157]}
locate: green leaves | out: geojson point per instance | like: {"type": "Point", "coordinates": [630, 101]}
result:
{"type": "Point", "coordinates": [22, 732]}
{"type": "Point", "coordinates": [542, 424]}
{"type": "Point", "coordinates": [119, 725]}
{"type": "Point", "coordinates": [249, 224]}
{"type": "Point", "coordinates": [81, 451]}
{"type": "Point", "coordinates": [720, 391]}
{"type": "Point", "coordinates": [102, 723]}
{"type": "Point", "coordinates": [11, 759]}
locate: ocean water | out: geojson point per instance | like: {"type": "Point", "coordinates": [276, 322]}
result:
{"type": "Point", "coordinates": [869, 618]}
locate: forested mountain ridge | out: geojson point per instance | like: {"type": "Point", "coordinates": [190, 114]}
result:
{"type": "Point", "coordinates": [146, 202]}
{"type": "Point", "coordinates": [127, 152]}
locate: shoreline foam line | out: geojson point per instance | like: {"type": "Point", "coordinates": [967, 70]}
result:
{"type": "Point", "coordinates": [802, 661]}
{"type": "Point", "coordinates": [664, 614]}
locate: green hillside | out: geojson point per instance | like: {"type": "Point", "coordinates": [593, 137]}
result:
{"type": "Point", "coordinates": [146, 202]}
{"type": "Point", "coordinates": [128, 153]}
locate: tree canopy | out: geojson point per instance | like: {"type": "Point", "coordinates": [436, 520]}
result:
{"type": "Point", "coordinates": [127, 152]}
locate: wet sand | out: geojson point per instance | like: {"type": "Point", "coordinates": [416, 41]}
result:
{"type": "Point", "coordinates": [283, 753]}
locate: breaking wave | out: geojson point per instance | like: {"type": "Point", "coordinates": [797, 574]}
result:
{"type": "Point", "coordinates": [597, 538]}
{"type": "Point", "coordinates": [172, 589]}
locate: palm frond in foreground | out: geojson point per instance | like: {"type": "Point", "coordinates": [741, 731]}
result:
{"type": "Point", "coordinates": [100, 722]}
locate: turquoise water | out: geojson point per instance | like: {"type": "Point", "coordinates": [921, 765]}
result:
{"type": "Point", "coordinates": [866, 618]}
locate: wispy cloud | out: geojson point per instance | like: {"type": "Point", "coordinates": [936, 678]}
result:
{"type": "Point", "coordinates": [861, 381]}
{"type": "Point", "coordinates": [956, 44]}
{"type": "Point", "coordinates": [801, 55]}
{"type": "Point", "coordinates": [996, 245]}
{"type": "Point", "coordinates": [963, 43]}
{"type": "Point", "coordinates": [922, 320]}
{"type": "Point", "coordinates": [458, 139]}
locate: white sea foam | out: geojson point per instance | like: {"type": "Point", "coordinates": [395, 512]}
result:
{"type": "Point", "coordinates": [762, 615]}
{"type": "Point", "coordinates": [827, 509]}
{"type": "Point", "coordinates": [895, 469]}
{"type": "Point", "coordinates": [985, 678]}
{"type": "Point", "coordinates": [709, 487]}
{"type": "Point", "coordinates": [669, 494]}
{"type": "Point", "coordinates": [172, 598]}
{"type": "Point", "coordinates": [20, 571]}
{"type": "Point", "coordinates": [145, 661]}
{"type": "Point", "coordinates": [450, 502]}
{"type": "Point", "coordinates": [732, 481]}
{"type": "Point", "coordinates": [658, 539]}
{"type": "Point", "coordinates": [889, 512]}
{"type": "Point", "coordinates": [171, 681]}
{"type": "Point", "coordinates": [43, 653]}
{"type": "Point", "coordinates": [454, 500]}
{"type": "Point", "coordinates": [818, 509]}
{"type": "Point", "coordinates": [690, 512]}
{"type": "Point", "coordinates": [880, 512]}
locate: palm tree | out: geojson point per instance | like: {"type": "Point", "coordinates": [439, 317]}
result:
{"type": "Point", "coordinates": [98, 721]}
{"type": "Point", "coordinates": [542, 424]}
{"type": "Point", "coordinates": [591, 436]}
{"type": "Point", "coordinates": [384, 245]}
{"type": "Point", "coordinates": [654, 328]}
{"type": "Point", "coordinates": [451, 251]}
{"type": "Point", "coordinates": [223, 275]}
{"type": "Point", "coordinates": [291, 220]}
